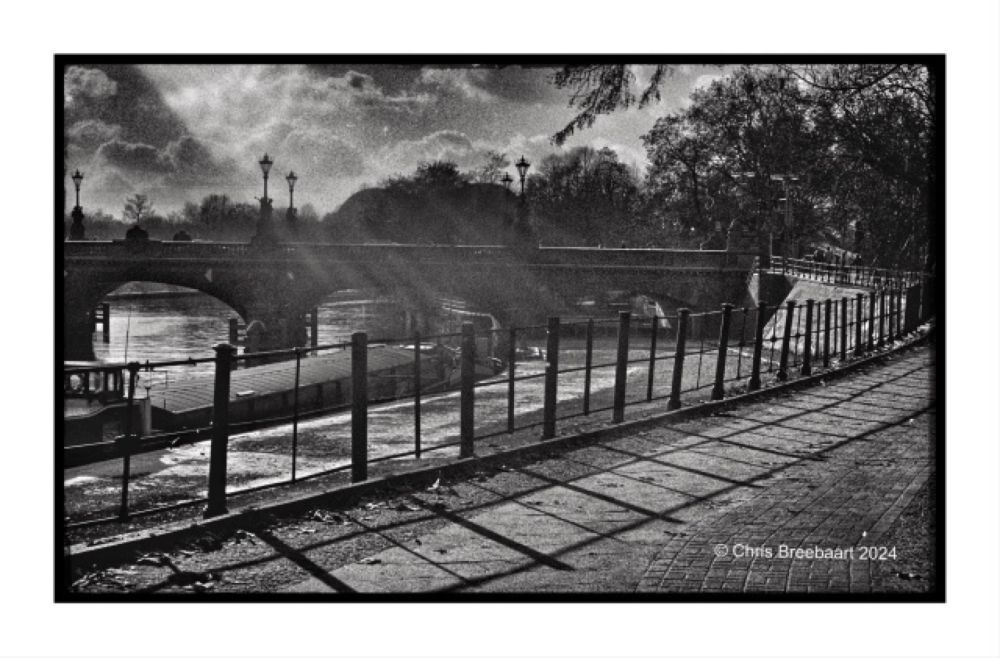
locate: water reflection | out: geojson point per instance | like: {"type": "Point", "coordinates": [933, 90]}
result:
{"type": "Point", "coordinates": [188, 326]}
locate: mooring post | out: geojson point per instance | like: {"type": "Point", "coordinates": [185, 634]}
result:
{"type": "Point", "coordinates": [126, 445]}
{"type": "Point", "coordinates": [807, 355]}
{"type": "Point", "coordinates": [859, 346]}
{"type": "Point", "coordinates": [786, 342]}
{"type": "Point", "coordinates": [676, 377]}
{"type": "Point", "coordinates": [511, 368]}
{"type": "Point", "coordinates": [106, 322]}
{"type": "Point", "coordinates": [359, 406]}
{"type": "Point", "coordinates": [588, 361]}
{"type": "Point", "coordinates": [314, 327]}
{"type": "Point", "coordinates": [234, 331]}
{"type": "Point", "coordinates": [220, 431]}
{"type": "Point", "coordinates": [719, 391]}
{"type": "Point", "coordinates": [827, 313]}
{"type": "Point", "coordinates": [621, 368]}
{"type": "Point", "coordinates": [417, 384]}
{"type": "Point", "coordinates": [551, 378]}
{"type": "Point", "coordinates": [468, 401]}
{"type": "Point", "coordinates": [758, 347]}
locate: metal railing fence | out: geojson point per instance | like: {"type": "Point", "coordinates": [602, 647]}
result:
{"type": "Point", "coordinates": [500, 381]}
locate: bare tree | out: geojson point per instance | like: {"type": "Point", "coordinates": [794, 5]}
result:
{"type": "Point", "coordinates": [137, 208]}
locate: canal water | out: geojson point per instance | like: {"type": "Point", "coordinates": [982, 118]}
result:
{"type": "Point", "coordinates": [188, 326]}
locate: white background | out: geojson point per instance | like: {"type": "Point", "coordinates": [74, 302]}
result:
{"type": "Point", "coordinates": [966, 625]}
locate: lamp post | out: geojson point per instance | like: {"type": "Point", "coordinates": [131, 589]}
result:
{"type": "Point", "coordinates": [506, 179]}
{"type": "Point", "coordinates": [290, 216]}
{"type": "Point", "coordinates": [265, 166]}
{"type": "Point", "coordinates": [291, 178]}
{"type": "Point", "coordinates": [522, 171]}
{"type": "Point", "coordinates": [77, 179]}
{"type": "Point", "coordinates": [522, 230]}
{"type": "Point", "coordinates": [265, 230]}
{"type": "Point", "coordinates": [76, 230]}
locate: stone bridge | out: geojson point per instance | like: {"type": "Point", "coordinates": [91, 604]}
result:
{"type": "Point", "coordinates": [279, 283]}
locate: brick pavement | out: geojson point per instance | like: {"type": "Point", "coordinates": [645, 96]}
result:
{"type": "Point", "coordinates": [831, 466]}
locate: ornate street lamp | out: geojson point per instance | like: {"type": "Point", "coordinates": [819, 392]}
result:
{"type": "Point", "coordinates": [506, 179]}
{"type": "Point", "coordinates": [522, 170]}
{"type": "Point", "coordinates": [291, 178]}
{"type": "Point", "coordinates": [265, 166]}
{"type": "Point", "coordinates": [290, 214]}
{"type": "Point", "coordinates": [265, 229]}
{"type": "Point", "coordinates": [77, 179]}
{"type": "Point", "coordinates": [76, 230]}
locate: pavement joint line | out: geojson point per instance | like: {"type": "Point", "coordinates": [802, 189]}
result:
{"type": "Point", "coordinates": [153, 539]}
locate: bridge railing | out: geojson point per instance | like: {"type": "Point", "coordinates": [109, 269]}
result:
{"type": "Point", "coordinates": [466, 392]}
{"type": "Point", "coordinates": [550, 256]}
{"type": "Point", "coordinates": [856, 275]}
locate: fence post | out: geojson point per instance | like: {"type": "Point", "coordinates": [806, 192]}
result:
{"type": "Point", "coordinates": [678, 373]}
{"type": "Point", "coordinates": [786, 342]}
{"type": "Point", "coordinates": [468, 401]}
{"type": "Point", "coordinates": [652, 360]}
{"type": "Point", "coordinates": [827, 309]}
{"type": "Point", "coordinates": [220, 432]}
{"type": "Point", "coordinates": [106, 322]}
{"type": "Point", "coordinates": [925, 298]}
{"type": "Point", "coordinates": [899, 312]}
{"type": "Point", "coordinates": [417, 384]}
{"type": "Point", "coordinates": [913, 295]}
{"type": "Point", "coordinates": [588, 362]}
{"type": "Point", "coordinates": [843, 328]}
{"type": "Point", "coordinates": [511, 366]}
{"type": "Point", "coordinates": [621, 367]}
{"type": "Point", "coordinates": [314, 327]}
{"type": "Point", "coordinates": [126, 446]}
{"type": "Point", "coordinates": [871, 321]}
{"type": "Point", "coordinates": [758, 348]}
{"type": "Point", "coordinates": [889, 312]}
{"type": "Point", "coordinates": [881, 318]}
{"type": "Point", "coordinates": [551, 378]}
{"type": "Point", "coordinates": [859, 347]}
{"type": "Point", "coordinates": [295, 411]}
{"type": "Point", "coordinates": [806, 368]}
{"type": "Point", "coordinates": [719, 391]}
{"type": "Point", "coordinates": [359, 406]}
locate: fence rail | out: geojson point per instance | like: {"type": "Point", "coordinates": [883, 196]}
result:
{"type": "Point", "coordinates": [713, 355]}
{"type": "Point", "coordinates": [869, 277]}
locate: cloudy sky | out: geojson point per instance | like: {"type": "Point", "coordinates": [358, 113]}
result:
{"type": "Point", "coordinates": [180, 132]}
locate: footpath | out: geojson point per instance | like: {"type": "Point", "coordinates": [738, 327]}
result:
{"type": "Point", "coordinates": [828, 489]}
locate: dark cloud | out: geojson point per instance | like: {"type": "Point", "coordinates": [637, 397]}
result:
{"type": "Point", "coordinates": [136, 104]}
{"type": "Point", "coordinates": [358, 80]}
